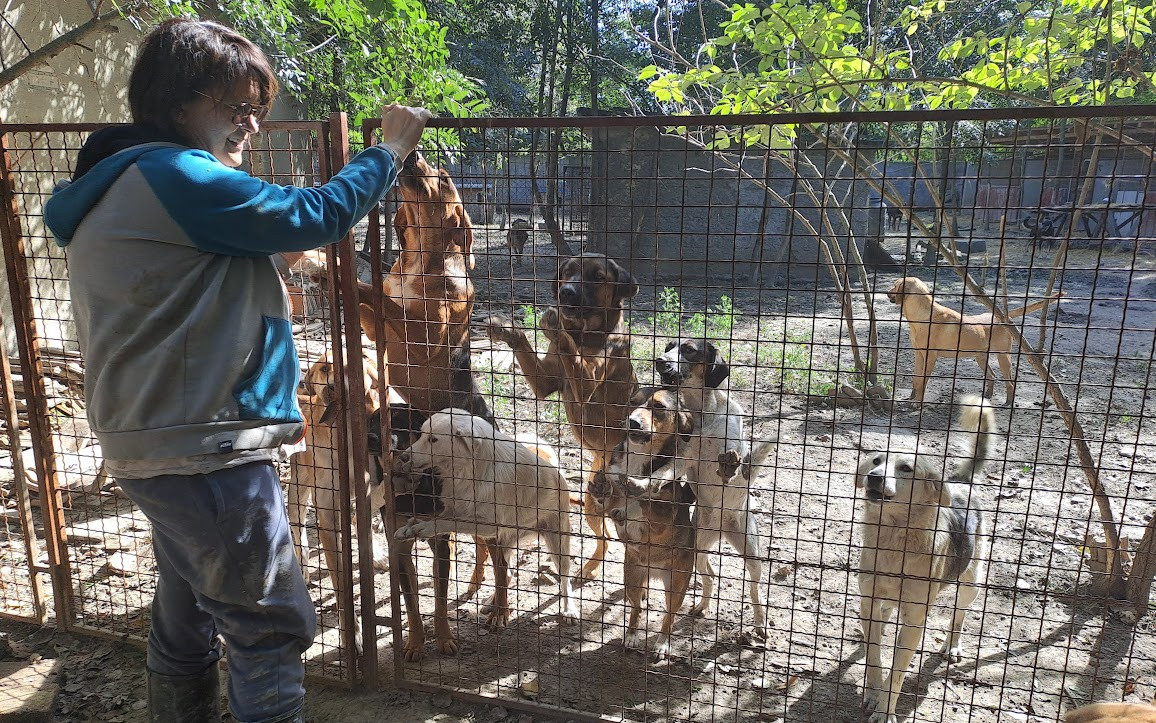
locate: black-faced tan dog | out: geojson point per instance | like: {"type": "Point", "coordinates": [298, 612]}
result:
{"type": "Point", "coordinates": [921, 532]}
{"type": "Point", "coordinates": [720, 464]}
{"type": "Point", "coordinates": [493, 487]}
{"type": "Point", "coordinates": [654, 525]}
{"type": "Point", "coordinates": [587, 363]}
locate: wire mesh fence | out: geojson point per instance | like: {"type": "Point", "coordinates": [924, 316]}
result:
{"type": "Point", "coordinates": [705, 347]}
{"type": "Point", "coordinates": [97, 544]}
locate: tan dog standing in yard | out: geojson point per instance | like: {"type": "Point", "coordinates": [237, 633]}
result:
{"type": "Point", "coordinates": [587, 363]}
{"type": "Point", "coordinates": [937, 331]}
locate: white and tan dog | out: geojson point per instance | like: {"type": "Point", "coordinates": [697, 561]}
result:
{"type": "Point", "coordinates": [720, 465]}
{"type": "Point", "coordinates": [496, 488]}
{"type": "Point", "coordinates": [921, 533]}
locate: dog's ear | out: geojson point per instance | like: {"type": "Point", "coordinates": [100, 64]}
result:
{"type": "Point", "coordinates": [684, 493]}
{"type": "Point", "coordinates": [463, 235]}
{"type": "Point", "coordinates": [368, 321]}
{"type": "Point", "coordinates": [717, 369]}
{"type": "Point", "coordinates": [402, 220]}
{"type": "Point", "coordinates": [558, 276]}
{"type": "Point", "coordinates": [625, 286]}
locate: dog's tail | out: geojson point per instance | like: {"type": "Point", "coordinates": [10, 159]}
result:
{"type": "Point", "coordinates": [1034, 306]}
{"type": "Point", "coordinates": [978, 420]}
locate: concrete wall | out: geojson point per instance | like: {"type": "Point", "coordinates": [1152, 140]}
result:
{"type": "Point", "coordinates": [84, 83]}
{"type": "Point", "coordinates": [670, 210]}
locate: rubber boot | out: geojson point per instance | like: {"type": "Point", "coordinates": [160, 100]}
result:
{"type": "Point", "coordinates": [185, 698]}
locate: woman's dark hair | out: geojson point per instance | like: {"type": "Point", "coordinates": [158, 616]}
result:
{"type": "Point", "coordinates": [182, 57]}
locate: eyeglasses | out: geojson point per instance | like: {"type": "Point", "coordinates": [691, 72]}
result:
{"type": "Point", "coordinates": [241, 111]}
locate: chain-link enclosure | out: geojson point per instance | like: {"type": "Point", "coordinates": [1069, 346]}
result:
{"type": "Point", "coordinates": [96, 543]}
{"type": "Point", "coordinates": [777, 276]}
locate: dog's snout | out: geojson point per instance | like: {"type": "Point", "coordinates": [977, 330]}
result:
{"type": "Point", "coordinates": [633, 425]}
{"type": "Point", "coordinates": [569, 294]}
{"type": "Point", "coordinates": [663, 366]}
{"type": "Point", "coordinates": [875, 481]}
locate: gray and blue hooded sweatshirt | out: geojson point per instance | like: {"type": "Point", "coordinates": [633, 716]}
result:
{"type": "Point", "coordinates": [181, 315]}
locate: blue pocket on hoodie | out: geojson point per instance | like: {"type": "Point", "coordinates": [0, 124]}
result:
{"type": "Point", "coordinates": [271, 391]}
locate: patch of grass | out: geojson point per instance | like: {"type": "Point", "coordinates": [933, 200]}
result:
{"type": "Point", "coordinates": [642, 353]}
{"type": "Point", "coordinates": [498, 388]}
{"type": "Point", "coordinates": [671, 319]}
{"type": "Point", "coordinates": [669, 314]}
{"type": "Point", "coordinates": [531, 322]}
{"type": "Point", "coordinates": [788, 357]}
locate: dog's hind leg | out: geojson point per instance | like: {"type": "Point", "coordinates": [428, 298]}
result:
{"type": "Point", "coordinates": [706, 572]}
{"type": "Point", "coordinates": [446, 643]}
{"type": "Point", "coordinates": [297, 501]}
{"type": "Point", "coordinates": [743, 535]}
{"type": "Point", "coordinates": [966, 593]}
{"type": "Point", "coordinates": [558, 543]}
{"type": "Point", "coordinates": [481, 557]}
{"type": "Point", "coordinates": [912, 619]}
{"type": "Point", "coordinates": [708, 532]}
{"type": "Point", "coordinates": [597, 523]}
{"type": "Point", "coordinates": [677, 583]}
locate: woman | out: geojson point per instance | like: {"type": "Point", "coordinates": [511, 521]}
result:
{"type": "Point", "coordinates": [191, 372]}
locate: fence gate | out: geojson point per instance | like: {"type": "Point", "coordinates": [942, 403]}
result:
{"type": "Point", "coordinates": [96, 550]}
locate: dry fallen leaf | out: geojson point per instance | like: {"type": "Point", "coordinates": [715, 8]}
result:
{"type": "Point", "coordinates": [786, 685]}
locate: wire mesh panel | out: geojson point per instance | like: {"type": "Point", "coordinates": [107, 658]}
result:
{"type": "Point", "coordinates": [750, 324]}
{"type": "Point", "coordinates": [105, 574]}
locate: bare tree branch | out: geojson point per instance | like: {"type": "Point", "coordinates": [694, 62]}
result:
{"type": "Point", "coordinates": [97, 24]}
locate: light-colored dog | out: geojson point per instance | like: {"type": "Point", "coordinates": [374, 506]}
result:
{"type": "Point", "coordinates": [937, 331]}
{"type": "Point", "coordinates": [496, 488]}
{"type": "Point", "coordinates": [1113, 713]}
{"type": "Point", "coordinates": [920, 533]}
{"type": "Point", "coordinates": [314, 473]}
{"type": "Point", "coordinates": [715, 455]}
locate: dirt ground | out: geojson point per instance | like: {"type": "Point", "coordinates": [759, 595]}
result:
{"type": "Point", "coordinates": [1036, 642]}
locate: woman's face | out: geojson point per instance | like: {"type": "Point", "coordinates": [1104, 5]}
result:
{"type": "Point", "coordinates": [208, 122]}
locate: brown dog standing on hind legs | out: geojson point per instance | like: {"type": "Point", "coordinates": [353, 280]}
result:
{"type": "Point", "coordinates": [921, 532]}
{"type": "Point", "coordinates": [937, 331]}
{"type": "Point", "coordinates": [426, 303]}
{"type": "Point", "coordinates": [587, 363]}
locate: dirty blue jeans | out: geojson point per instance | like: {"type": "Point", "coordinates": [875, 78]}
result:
{"type": "Point", "coordinates": [226, 566]}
